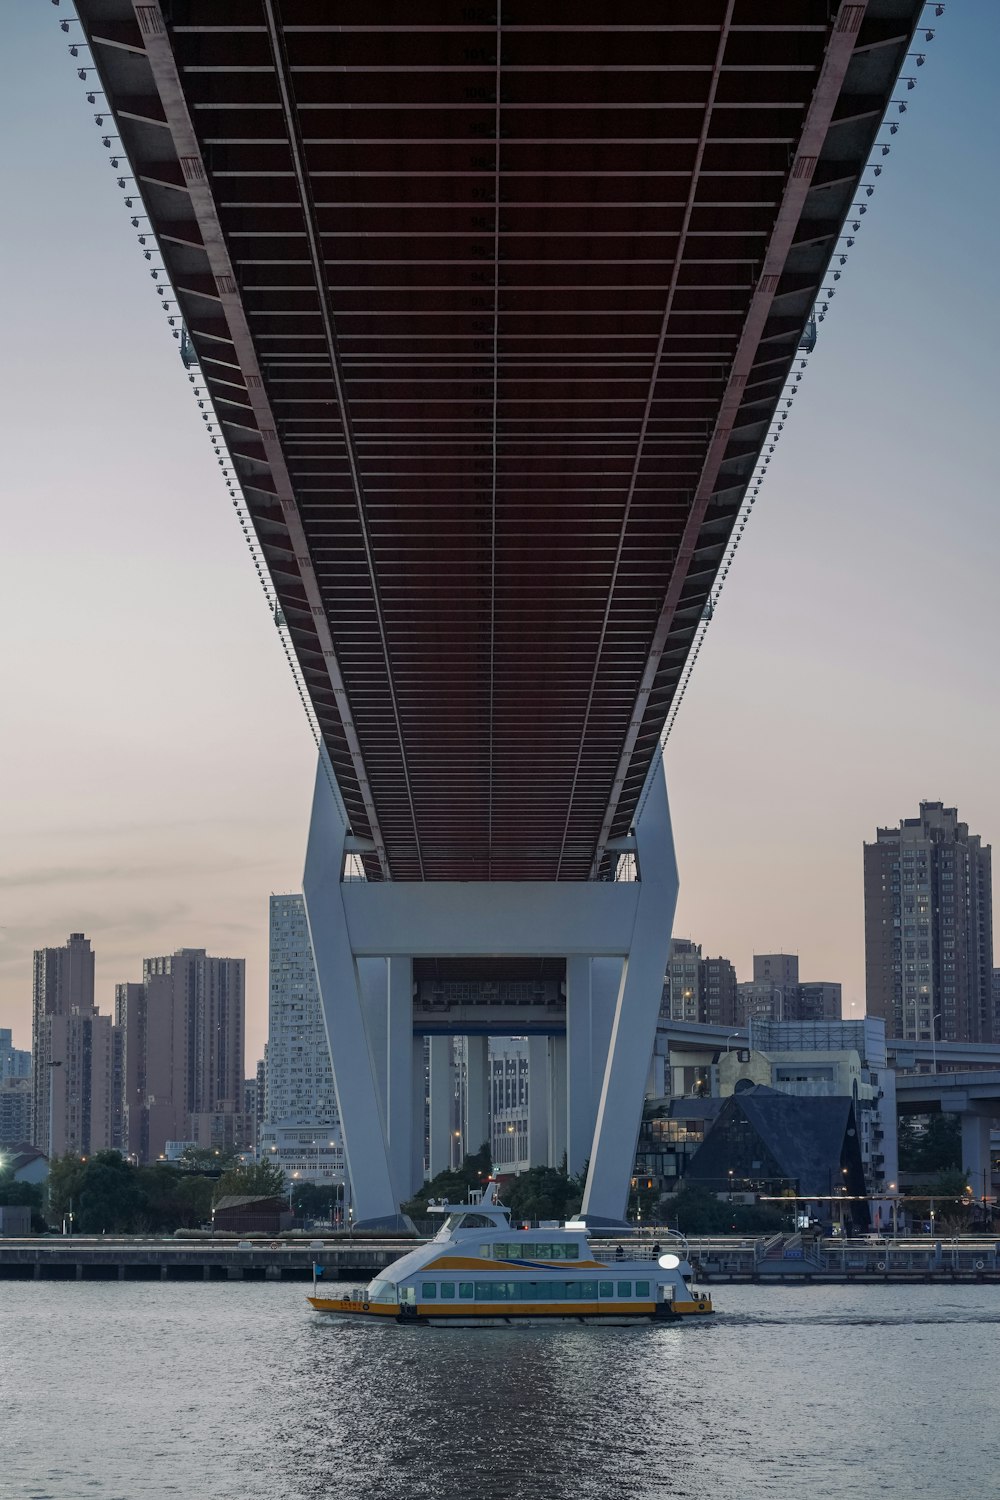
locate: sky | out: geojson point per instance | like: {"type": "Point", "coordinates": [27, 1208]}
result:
{"type": "Point", "coordinates": [155, 764]}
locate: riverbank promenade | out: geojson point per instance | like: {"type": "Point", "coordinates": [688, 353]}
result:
{"type": "Point", "coordinates": [779, 1258]}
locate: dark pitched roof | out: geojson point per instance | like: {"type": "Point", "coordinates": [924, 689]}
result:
{"type": "Point", "coordinates": [805, 1138]}
{"type": "Point", "coordinates": [806, 1135]}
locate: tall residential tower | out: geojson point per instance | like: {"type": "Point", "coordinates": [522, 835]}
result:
{"type": "Point", "coordinates": [71, 1045]}
{"type": "Point", "coordinates": [182, 1055]}
{"type": "Point", "coordinates": [929, 929]}
{"type": "Point", "coordinates": [301, 1126]}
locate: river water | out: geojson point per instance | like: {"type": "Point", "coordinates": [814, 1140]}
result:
{"type": "Point", "coordinates": [118, 1391]}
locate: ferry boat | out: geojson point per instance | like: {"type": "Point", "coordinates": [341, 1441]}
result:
{"type": "Point", "coordinates": [479, 1270]}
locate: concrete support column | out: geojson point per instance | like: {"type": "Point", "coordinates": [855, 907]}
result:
{"type": "Point", "coordinates": [419, 1105]}
{"type": "Point", "coordinates": [476, 1122]}
{"type": "Point", "coordinates": [976, 1152]}
{"type": "Point", "coordinates": [638, 1004]}
{"type": "Point", "coordinates": [355, 1074]}
{"type": "Point", "coordinates": [557, 1122]}
{"type": "Point", "coordinates": [605, 981]}
{"type": "Point", "coordinates": [580, 1102]}
{"type": "Point", "coordinates": [373, 988]}
{"type": "Point", "coordinates": [399, 1076]}
{"type": "Point", "coordinates": [538, 1103]}
{"type": "Point", "coordinates": [442, 1090]}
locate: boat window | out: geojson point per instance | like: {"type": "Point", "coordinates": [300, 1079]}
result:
{"type": "Point", "coordinates": [381, 1291]}
{"type": "Point", "coordinates": [642, 1289]}
{"type": "Point", "coordinates": [470, 1221]}
{"type": "Point", "coordinates": [429, 1290]}
{"type": "Point", "coordinates": [624, 1288]}
{"type": "Point", "coordinates": [447, 1289]}
{"type": "Point", "coordinates": [466, 1289]}
{"type": "Point", "coordinates": [533, 1250]}
{"type": "Point", "coordinates": [544, 1291]}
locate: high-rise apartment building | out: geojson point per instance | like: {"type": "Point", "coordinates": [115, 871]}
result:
{"type": "Point", "coordinates": [182, 1053]}
{"type": "Point", "coordinates": [15, 1062]}
{"type": "Point", "coordinates": [682, 982]}
{"type": "Point", "coordinates": [929, 929]}
{"type": "Point", "coordinates": [72, 1053]}
{"type": "Point", "coordinates": [718, 996]}
{"type": "Point", "coordinates": [777, 994]}
{"type": "Point", "coordinates": [301, 1126]}
{"type": "Point", "coordinates": [15, 1111]}
{"type": "Point", "coordinates": [697, 988]}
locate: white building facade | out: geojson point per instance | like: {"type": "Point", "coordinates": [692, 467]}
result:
{"type": "Point", "coordinates": [301, 1126]}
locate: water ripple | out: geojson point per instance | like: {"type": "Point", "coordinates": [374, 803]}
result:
{"type": "Point", "coordinates": [238, 1392]}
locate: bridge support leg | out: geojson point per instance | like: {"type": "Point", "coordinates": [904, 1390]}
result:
{"type": "Point", "coordinates": [354, 1072]}
{"type": "Point", "coordinates": [976, 1160]}
{"type": "Point", "coordinates": [419, 1096]}
{"type": "Point", "coordinates": [476, 1122]}
{"type": "Point", "coordinates": [538, 1101]}
{"type": "Point", "coordinates": [587, 1067]}
{"type": "Point", "coordinates": [579, 1063]}
{"type": "Point", "coordinates": [441, 1095]}
{"type": "Point", "coordinates": [557, 1100]}
{"type": "Point", "coordinates": [399, 1079]}
{"type": "Point", "coordinates": [633, 1029]}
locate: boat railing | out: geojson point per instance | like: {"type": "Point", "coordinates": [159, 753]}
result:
{"type": "Point", "coordinates": [608, 1255]}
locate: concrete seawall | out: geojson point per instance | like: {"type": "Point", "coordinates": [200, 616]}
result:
{"type": "Point", "coordinates": [109, 1259]}
{"type": "Point", "coordinates": [716, 1261]}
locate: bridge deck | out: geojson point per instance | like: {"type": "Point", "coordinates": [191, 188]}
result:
{"type": "Point", "coordinates": [495, 304]}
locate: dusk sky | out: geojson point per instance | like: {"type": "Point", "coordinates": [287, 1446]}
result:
{"type": "Point", "coordinates": [156, 765]}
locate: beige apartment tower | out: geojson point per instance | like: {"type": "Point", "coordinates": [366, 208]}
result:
{"type": "Point", "coordinates": [72, 1048]}
{"type": "Point", "coordinates": [183, 1050]}
{"type": "Point", "coordinates": [929, 929]}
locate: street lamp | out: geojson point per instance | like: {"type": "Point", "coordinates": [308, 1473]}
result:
{"type": "Point", "coordinates": [934, 1040]}
{"type": "Point", "coordinates": [895, 1210]}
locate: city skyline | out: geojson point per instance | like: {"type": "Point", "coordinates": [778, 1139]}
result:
{"type": "Point", "coordinates": [155, 739]}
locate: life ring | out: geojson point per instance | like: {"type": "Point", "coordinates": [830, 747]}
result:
{"type": "Point", "coordinates": [980, 1265]}
{"type": "Point", "coordinates": [880, 1265]}
{"type": "Point", "coordinates": [364, 1307]}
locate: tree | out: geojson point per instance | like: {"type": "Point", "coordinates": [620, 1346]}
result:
{"type": "Point", "coordinates": [543, 1193]}
{"type": "Point", "coordinates": [932, 1143]}
{"type": "Point", "coordinates": [696, 1210]}
{"type": "Point", "coordinates": [65, 1181]}
{"type": "Point", "coordinates": [192, 1201]}
{"type": "Point", "coordinates": [315, 1200]}
{"type": "Point", "coordinates": [261, 1180]}
{"type": "Point", "coordinates": [110, 1196]}
{"type": "Point", "coordinates": [208, 1159]}
{"type": "Point", "coordinates": [453, 1186]}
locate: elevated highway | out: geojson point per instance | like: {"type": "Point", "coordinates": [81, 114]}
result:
{"type": "Point", "coordinates": [495, 305]}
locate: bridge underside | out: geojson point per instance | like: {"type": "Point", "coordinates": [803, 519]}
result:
{"type": "Point", "coordinates": [495, 304]}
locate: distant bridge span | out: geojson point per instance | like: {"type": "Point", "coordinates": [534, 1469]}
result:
{"type": "Point", "coordinates": [495, 303]}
